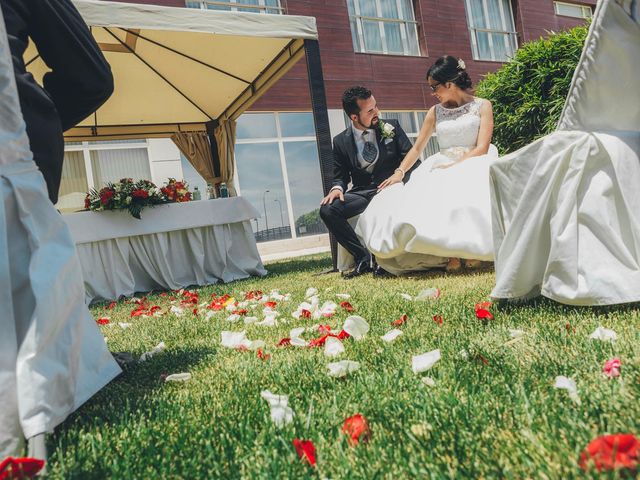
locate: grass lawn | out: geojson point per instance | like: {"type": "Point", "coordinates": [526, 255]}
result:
{"type": "Point", "coordinates": [493, 412]}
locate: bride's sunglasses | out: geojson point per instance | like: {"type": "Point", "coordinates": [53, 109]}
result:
{"type": "Point", "coordinates": [435, 86]}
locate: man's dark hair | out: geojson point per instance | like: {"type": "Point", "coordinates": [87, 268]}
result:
{"type": "Point", "coordinates": [350, 99]}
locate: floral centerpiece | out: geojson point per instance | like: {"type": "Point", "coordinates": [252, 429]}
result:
{"type": "Point", "coordinates": [135, 196]}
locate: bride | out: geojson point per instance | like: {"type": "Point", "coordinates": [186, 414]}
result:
{"type": "Point", "coordinates": [445, 210]}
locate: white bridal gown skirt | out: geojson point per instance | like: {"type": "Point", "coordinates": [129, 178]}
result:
{"type": "Point", "coordinates": [438, 214]}
{"type": "Point", "coordinates": [567, 219]}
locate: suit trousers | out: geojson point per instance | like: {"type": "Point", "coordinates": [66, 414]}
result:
{"type": "Point", "coordinates": [336, 214]}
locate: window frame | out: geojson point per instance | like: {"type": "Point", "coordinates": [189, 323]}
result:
{"type": "Point", "coordinates": [511, 35]}
{"type": "Point", "coordinates": [583, 9]}
{"type": "Point", "coordinates": [235, 6]}
{"type": "Point", "coordinates": [408, 23]}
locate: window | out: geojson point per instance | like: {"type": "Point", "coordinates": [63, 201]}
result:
{"type": "Point", "coordinates": [278, 171]}
{"type": "Point", "coordinates": [89, 165]}
{"type": "Point", "coordinates": [492, 29]}
{"type": "Point", "coordinates": [383, 26]}
{"type": "Point", "coordinates": [572, 10]}
{"type": "Point", "coordinates": [253, 6]}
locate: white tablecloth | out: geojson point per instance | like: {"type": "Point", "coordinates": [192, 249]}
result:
{"type": "Point", "coordinates": [171, 247]}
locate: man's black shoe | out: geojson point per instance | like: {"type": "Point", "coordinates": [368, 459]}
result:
{"type": "Point", "coordinates": [361, 268]}
{"type": "Point", "coordinates": [381, 272]}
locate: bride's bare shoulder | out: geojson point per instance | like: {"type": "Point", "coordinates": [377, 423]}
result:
{"type": "Point", "coordinates": [483, 101]}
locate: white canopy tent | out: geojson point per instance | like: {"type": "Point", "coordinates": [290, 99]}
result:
{"type": "Point", "coordinates": [189, 74]}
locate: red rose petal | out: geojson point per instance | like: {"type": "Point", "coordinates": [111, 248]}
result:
{"type": "Point", "coordinates": [111, 305]}
{"type": "Point", "coordinates": [347, 306]}
{"type": "Point", "coordinates": [304, 313]}
{"type": "Point", "coordinates": [484, 314]}
{"type": "Point", "coordinates": [285, 342]}
{"type": "Point", "coordinates": [262, 355]}
{"type": "Point", "coordinates": [19, 468]}
{"type": "Point", "coordinates": [270, 304]}
{"type": "Point", "coordinates": [305, 450]}
{"type": "Point", "coordinates": [400, 321]}
{"type": "Point", "coordinates": [357, 429]}
{"type": "Point", "coordinates": [438, 319]}
{"type": "Point", "coordinates": [342, 335]}
{"type": "Point", "coordinates": [612, 452]}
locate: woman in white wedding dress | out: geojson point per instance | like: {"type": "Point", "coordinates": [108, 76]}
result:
{"type": "Point", "coordinates": [443, 213]}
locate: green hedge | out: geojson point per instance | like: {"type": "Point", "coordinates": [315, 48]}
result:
{"type": "Point", "coordinates": [528, 93]}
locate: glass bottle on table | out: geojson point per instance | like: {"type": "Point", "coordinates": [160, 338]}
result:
{"type": "Point", "coordinates": [224, 191]}
{"type": "Point", "coordinates": [196, 194]}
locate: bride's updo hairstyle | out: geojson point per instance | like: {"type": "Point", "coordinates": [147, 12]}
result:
{"type": "Point", "coordinates": [450, 69]}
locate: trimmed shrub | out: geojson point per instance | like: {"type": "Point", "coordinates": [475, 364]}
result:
{"type": "Point", "coordinates": [528, 92]}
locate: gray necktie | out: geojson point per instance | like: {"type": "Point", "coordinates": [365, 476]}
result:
{"type": "Point", "coordinates": [369, 152]}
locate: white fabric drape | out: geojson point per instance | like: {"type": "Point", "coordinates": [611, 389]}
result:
{"type": "Point", "coordinates": [52, 356]}
{"type": "Point", "coordinates": [566, 209]}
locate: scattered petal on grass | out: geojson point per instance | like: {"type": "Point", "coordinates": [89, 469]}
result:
{"type": "Point", "coordinates": [428, 294]}
{"type": "Point", "coordinates": [612, 368]}
{"type": "Point", "coordinates": [111, 305]}
{"type": "Point", "coordinates": [124, 325]}
{"type": "Point", "coordinates": [269, 321]}
{"type": "Point", "coordinates": [612, 452]}
{"type": "Point", "coordinates": [422, 363]}
{"type": "Point", "coordinates": [296, 340]}
{"type": "Point", "coordinates": [178, 377]}
{"type": "Point", "coordinates": [486, 305]}
{"type": "Point", "coordinates": [250, 320]}
{"type": "Point", "coordinates": [356, 326]}
{"type": "Point", "coordinates": [333, 347]}
{"type": "Point", "coordinates": [343, 296]}
{"type": "Point", "coordinates": [568, 384]}
{"type": "Point", "coordinates": [342, 368]}
{"type": "Point", "coordinates": [463, 354]}
{"type": "Point", "coordinates": [438, 319]}
{"type": "Point", "coordinates": [357, 429]}
{"type": "Point", "coordinates": [391, 335]}
{"type": "Point", "coordinates": [239, 340]}
{"type": "Point", "coordinates": [347, 306]}
{"type": "Point", "coordinates": [310, 292]}
{"type": "Point", "coordinates": [604, 334]}
{"type": "Point", "coordinates": [305, 450]}
{"type": "Point", "coordinates": [177, 311]}
{"type": "Point", "coordinates": [18, 468]}
{"type": "Point", "coordinates": [484, 314]}
{"type": "Point", "coordinates": [516, 333]}
{"type": "Point", "coordinates": [103, 321]}
{"type": "Point", "coordinates": [154, 351]}
{"type": "Point", "coordinates": [281, 413]}
{"type": "Point", "coordinates": [234, 317]}
{"type": "Point", "coordinates": [406, 296]}
{"type": "Point", "coordinates": [262, 355]}
{"type": "Point", "coordinates": [401, 321]}
{"type": "Point", "coordinates": [428, 381]}
{"type": "Point", "coordinates": [210, 314]}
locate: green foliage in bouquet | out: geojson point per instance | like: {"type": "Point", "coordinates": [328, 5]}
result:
{"type": "Point", "coordinates": [528, 93]}
{"type": "Point", "coordinates": [132, 196]}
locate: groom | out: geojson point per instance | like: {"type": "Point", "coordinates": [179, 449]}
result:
{"type": "Point", "coordinates": [366, 153]}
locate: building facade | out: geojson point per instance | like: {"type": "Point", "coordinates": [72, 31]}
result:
{"type": "Point", "coordinates": [386, 45]}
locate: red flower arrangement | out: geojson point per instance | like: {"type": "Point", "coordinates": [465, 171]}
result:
{"type": "Point", "coordinates": [135, 196]}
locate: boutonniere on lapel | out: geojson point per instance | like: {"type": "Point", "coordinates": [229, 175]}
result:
{"type": "Point", "coordinates": [387, 131]}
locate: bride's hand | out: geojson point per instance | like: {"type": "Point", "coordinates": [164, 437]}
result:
{"type": "Point", "coordinates": [395, 178]}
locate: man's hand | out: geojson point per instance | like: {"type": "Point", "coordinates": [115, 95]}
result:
{"type": "Point", "coordinates": [332, 195]}
{"type": "Point", "coordinates": [395, 178]}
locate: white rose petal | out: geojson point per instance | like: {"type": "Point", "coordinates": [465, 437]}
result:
{"type": "Point", "coordinates": [342, 368]}
{"type": "Point", "coordinates": [356, 326]}
{"type": "Point", "coordinates": [268, 322]}
{"type": "Point", "coordinates": [234, 339]}
{"type": "Point", "coordinates": [333, 347]}
{"type": "Point", "coordinates": [310, 292]}
{"type": "Point", "coordinates": [406, 296]}
{"type": "Point", "coordinates": [569, 385]}
{"type": "Point", "coordinates": [604, 334]}
{"type": "Point", "coordinates": [234, 317]}
{"type": "Point", "coordinates": [428, 381]}
{"type": "Point", "coordinates": [124, 325]}
{"type": "Point", "coordinates": [177, 311]}
{"type": "Point", "coordinates": [391, 335]}
{"type": "Point", "coordinates": [463, 354]}
{"type": "Point", "coordinates": [296, 332]}
{"type": "Point", "coordinates": [343, 296]}
{"type": "Point", "coordinates": [516, 333]}
{"type": "Point", "coordinates": [422, 363]}
{"type": "Point", "coordinates": [250, 320]}
{"type": "Point", "coordinates": [281, 413]}
{"type": "Point", "coordinates": [210, 314]}
{"type": "Point", "coordinates": [178, 377]}
{"type": "Point", "coordinates": [155, 350]}
{"type": "Point", "coordinates": [428, 294]}
{"type": "Point", "coordinates": [256, 344]}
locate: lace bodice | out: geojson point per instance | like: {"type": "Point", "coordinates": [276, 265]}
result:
{"type": "Point", "coordinates": [458, 127]}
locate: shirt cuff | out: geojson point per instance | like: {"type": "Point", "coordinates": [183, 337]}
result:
{"type": "Point", "coordinates": [338, 187]}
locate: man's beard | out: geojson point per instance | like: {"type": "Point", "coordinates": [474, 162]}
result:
{"type": "Point", "coordinates": [374, 122]}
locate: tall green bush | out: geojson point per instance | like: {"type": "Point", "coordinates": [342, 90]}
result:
{"type": "Point", "coordinates": [529, 91]}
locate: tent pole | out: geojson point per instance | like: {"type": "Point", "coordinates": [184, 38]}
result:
{"type": "Point", "coordinates": [321, 122]}
{"type": "Point", "coordinates": [215, 157]}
